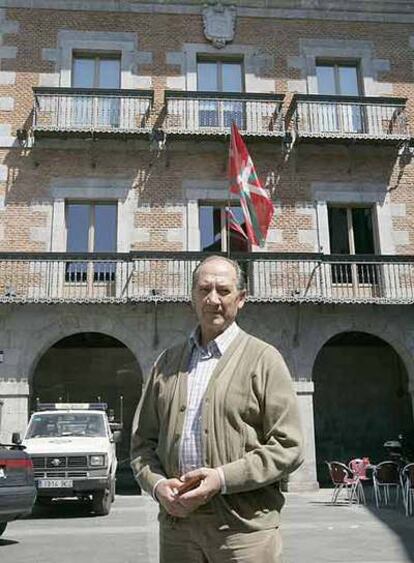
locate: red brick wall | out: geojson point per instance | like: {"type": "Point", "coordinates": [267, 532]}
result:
{"type": "Point", "coordinates": [160, 181]}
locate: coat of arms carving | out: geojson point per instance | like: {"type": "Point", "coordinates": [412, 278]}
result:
{"type": "Point", "coordinates": [219, 24]}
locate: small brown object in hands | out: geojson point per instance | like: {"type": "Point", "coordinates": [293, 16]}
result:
{"type": "Point", "coordinates": [189, 485]}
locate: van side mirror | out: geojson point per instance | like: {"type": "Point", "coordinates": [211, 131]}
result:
{"type": "Point", "coordinates": [117, 436]}
{"type": "Point", "coordinates": [16, 439]}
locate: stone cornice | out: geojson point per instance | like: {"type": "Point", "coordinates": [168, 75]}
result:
{"type": "Point", "coordinates": [380, 11]}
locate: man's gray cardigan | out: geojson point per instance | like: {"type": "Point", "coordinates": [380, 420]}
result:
{"type": "Point", "coordinates": [251, 429]}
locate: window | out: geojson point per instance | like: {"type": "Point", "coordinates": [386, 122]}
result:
{"type": "Point", "coordinates": [58, 425]}
{"type": "Point", "coordinates": [221, 76]}
{"type": "Point", "coordinates": [91, 227]}
{"type": "Point", "coordinates": [340, 79]}
{"type": "Point", "coordinates": [214, 232]}
{"type": "Point", "coordinates": [96, 72]}
{"type": "Point", "coordinates": [351, 232]}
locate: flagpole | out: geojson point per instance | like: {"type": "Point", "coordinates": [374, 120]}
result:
{"type": "Point", "coordinates": [228, 226]}
{"type": "Point", "coordinates": [228, 210]}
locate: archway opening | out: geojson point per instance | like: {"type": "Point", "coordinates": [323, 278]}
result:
{"type": "Point", "coordinates": [361, 399]}
{"type": "Point", "coordinates": [92, 367]}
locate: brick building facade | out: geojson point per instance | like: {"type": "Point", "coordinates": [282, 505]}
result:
{"type": "Point", "coordinates": [114, 130]}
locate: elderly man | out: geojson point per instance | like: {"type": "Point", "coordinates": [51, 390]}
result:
{"type": "Point", "coordinates": [215, 432]}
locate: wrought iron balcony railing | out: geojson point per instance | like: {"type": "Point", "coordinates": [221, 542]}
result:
{"type": "Point", "coordinates": [164, 276]}
{"type": "Point", "coordinates": [79, 110]}
{"type": "Point", "coordinates": [370, 118]}
{"type": "Point", "coordinates": [212, 113]}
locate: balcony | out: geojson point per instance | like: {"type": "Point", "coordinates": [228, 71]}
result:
{"type": "Point", "coordinates": [81, 112]}
{"type": "Point", "coordinates": [348, 117]}
{"type": "Point", "coordinates": [212, 113]}
{"type": "Point", "coordinates": [164, 276]}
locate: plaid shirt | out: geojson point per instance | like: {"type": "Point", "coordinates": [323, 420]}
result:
{"type": "Point", "coordinates": [201, 366]}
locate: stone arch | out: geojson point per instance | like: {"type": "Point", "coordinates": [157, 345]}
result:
{"type": "Point", "coordinates": [385, 331]}
{"type": "Point", "coordinates": [363, 397]}
{"type": "Point", "coordinates": [85, 343]}
{"type": "Point", "coordinates": [63, 329]}
{"type": "Point", "coordinates": [87, 367]}
{"type": "Point", "coordinates": [388, 338]}
{"type": "Point", "coordinates": [59, 324]}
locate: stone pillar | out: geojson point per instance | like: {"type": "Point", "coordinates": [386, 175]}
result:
{"type": "Point", "coordinates": [14, 417]}
{"type": "Point", "coordinates": [304, 479]}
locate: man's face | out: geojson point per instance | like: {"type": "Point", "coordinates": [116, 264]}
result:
{"type": "Point", "coordinates": [216, 299]}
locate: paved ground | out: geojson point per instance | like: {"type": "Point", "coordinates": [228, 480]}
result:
{"type": "Point", "coordinates": [317, 532]}
{"type": "Point", "coordinates": [314, 532]}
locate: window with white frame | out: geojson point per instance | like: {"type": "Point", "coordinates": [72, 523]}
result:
{"type": "Point", "coordinates": [219, 228]}
{"type": "Point", "coordinates": [90, 227]}
{"type": "Point", "coordinates": [336, 78]}
{"type": "Point", "coordinates": [96, 71]}
{"type": "Point", "coordinates": [224, 77]}
{"type": "Point", "coordinates": [351, 231]}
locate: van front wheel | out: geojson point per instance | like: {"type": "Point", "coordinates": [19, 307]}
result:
{"type": "Point", "coordinates": [101, 502]}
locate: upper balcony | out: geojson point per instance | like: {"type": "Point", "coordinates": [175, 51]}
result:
{"type": "Point", "coordinates": [166, 276]}
{"type": "Point", "coordinates": [363, 119]}
{"type": "Point", "coordinates": [212, 113]}
{"type": "Point", "coordinates": [81, 112]}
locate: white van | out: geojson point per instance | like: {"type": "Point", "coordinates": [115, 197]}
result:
{"type": "Point", "coordinates": [73, 452]}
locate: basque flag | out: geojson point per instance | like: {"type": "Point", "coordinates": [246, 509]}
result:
{"type": "Point", "coordinates": [233, 224]}
{"type": "Point", "coordinates": [254, 200]}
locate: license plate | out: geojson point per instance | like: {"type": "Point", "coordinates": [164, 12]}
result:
{"type": "Point", "coordinates": [55, 483]}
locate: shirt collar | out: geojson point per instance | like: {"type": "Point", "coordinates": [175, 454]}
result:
{"type": "Point", "coordinates": [219, 344]}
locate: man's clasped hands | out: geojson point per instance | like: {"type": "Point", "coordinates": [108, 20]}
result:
{"type": "Point", "coordinates": [182, 496]}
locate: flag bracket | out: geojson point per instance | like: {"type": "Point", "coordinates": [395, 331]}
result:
{"type": "Point", "coordinates": [288, 141]}
{"type": "Point", "coordinates": [158, 139]}
{"type": "Point", "coordinates": [158, 144]}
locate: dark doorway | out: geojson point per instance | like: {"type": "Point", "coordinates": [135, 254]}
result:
{"type": "Point", "coordinates": [91, 367]}
{"type": "Point", "coordinates": [361, 399]}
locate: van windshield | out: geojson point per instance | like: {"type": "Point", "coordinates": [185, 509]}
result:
{"type": "Point", "coordinates": [66, 424]}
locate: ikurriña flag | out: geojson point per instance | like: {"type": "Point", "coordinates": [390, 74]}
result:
{"type": "Point", "coordinates": [254, 200]}
{"type": "Point", "coordinates": [233, 223]}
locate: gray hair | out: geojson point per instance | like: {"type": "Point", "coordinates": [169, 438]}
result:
{"type": "Point", "coordinates": [240, 277]}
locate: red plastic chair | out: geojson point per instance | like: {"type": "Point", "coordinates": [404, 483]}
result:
{"type": "Point", "coordinates": [344, 479]}
{"type": "Point", "coordinates": [359, 467]}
